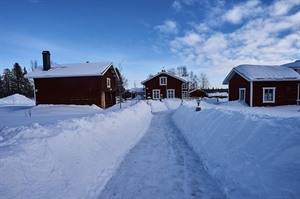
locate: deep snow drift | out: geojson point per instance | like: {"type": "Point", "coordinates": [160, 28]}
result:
{"type": "Point", "coordinates": [253, 152]}
{"type": "Point", "coordinates": [71, 158]}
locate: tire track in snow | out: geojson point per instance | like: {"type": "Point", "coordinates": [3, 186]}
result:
{"type": "Point", "coordinates": [162, 165]}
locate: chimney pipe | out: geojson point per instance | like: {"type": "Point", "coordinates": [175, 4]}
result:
{"type": "Point", "coordinates": [46, 60]}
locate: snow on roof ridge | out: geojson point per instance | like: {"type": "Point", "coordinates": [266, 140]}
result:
{"type": "Point", "coordinates": [295, 64]}
{"type": "Point", "coordinates": [261, 72]}
{"type": "Point", "coordinates": [71, 70]}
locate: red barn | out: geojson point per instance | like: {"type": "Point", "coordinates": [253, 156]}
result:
{"type": "Point", "coordinates": [164, 85]}
{"type": "Point", "coordinates": [258, 85]}
{"type": "Point", "coordinates": [80, 84]}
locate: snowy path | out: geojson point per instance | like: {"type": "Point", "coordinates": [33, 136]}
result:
{"type": "Point", "coordinates": [162, 165]}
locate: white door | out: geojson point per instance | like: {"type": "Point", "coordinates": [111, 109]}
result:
{"type": "Point", "coordinates": [155, 94]}
{"type": "Point", "coordinates": [171, 93]}
{"type": "Point", "coordinates": [242, 94]}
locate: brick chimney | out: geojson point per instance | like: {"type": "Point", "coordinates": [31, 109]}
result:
{"type": "Point", "coordinates": [46, 60]}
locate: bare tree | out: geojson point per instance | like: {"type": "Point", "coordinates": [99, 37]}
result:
{"type": "Point", "coordinates": [182, 71]}
{"type": "Point", "coordinates": [33, 65]}
{"type": "Point", "coordinates": [204, 83]}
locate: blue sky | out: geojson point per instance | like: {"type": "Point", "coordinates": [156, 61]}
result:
{"type": "Point", "coordinates": [143, 36]}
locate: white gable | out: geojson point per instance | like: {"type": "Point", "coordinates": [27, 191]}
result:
{"type": "Point", "coordinates": [71, 70]}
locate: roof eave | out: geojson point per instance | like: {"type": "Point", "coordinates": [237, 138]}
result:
{"type": "Point", "coordinates": [166, 73]}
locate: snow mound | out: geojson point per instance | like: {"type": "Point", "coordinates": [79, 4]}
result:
{"type": "Point", "coordinates": [72, 158]}
{"type": "Point", "coordinates": [16, 99]}
{"type": "Point", "coordinates": [253, 155]}
{"type": "Point", "coordinates": [157, 106]}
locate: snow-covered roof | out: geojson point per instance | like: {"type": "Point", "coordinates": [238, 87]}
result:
{"type": "Point", "coordinates": [217, 94]}
{"type": "Point", "coordinates": [164, 73]}
{"type": "Point", "coordinates": [197, 89]}
{"type": "Point", "coordinates": [138, 90]}
{"type": "Point", "coordinates": [72, 70]}
{"type": "Point", "coordinates": [294, 65]}
{"type": "Point", "coordinates": [263, 73]}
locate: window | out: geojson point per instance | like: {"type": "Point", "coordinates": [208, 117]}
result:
{"type": "Point", "coordinates": [108, 82]}
{"type": "Point", "coordinates": [184, 94]}
{"type": "Point", "coordinates": [269, 95]}
{"type": "Point", "coordinates": [156, 94]}
{"type": "Point", "coordinates": [163, 81]}
{"type": "Point", "coordinates": [171, 93]}
{"type": "Point", "coordinates": [185, 85]}
{"type": "Point", "coordinates": [242, 94]}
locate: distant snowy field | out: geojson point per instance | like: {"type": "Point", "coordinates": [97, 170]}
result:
{"type": "Point", "coordinates": [72, 151]}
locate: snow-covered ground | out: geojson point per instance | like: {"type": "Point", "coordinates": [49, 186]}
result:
{"type": "Point", "coordinates": [72, 151]}
{"type": "Point", "coordinates": [253, 152]}
{"type": "Point", "coordinates": [68, 158]}
{"type": "Point", "coordinates": [162, 165]}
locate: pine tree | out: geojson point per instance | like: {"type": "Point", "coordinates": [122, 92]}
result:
{"type": "Point", "coordinates": [18, 77]}
{"type": "Point", "coordinates": [2, 93]}
{"type": "Point", "coordinates": [7, 82]}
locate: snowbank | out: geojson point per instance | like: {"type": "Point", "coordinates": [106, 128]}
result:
{"type": "Point", "coordinates": [253, 155]}
{"type": "Point", "coordinates": [16, 99]}
{"type": "Point", "coordinates": [71, 158]}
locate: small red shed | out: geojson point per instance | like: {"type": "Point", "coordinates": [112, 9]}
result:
{"type": "Point", "coordinates": [79, 84]}
{"type": "Point", "coordinates": [261, 85]}
{"type": "Point", "coordinates": [196, 93]}
{"type": "Point", "coordinates": [163, 85]}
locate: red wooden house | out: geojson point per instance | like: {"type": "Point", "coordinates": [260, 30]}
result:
{"type": "Point", "coordinates": [80, 84]}
{"type": "Point", "coordinates": [258, 85]}
{"type": "Point", "coordinates": [164, 85]}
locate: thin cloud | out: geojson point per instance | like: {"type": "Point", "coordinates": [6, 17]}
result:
{"type": "Point", "coordinates": [176, 5]}
{"type": "Point", "coordinates": [242, 11]}
{"type": "Point", "coordinates": [168, 27]}
{"type": "Point", "coordinates": [283, 7]}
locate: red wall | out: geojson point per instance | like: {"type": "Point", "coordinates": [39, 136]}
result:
{"type": "Point", "coordinates": [235, 83]}
{"type": "Point", "coordinates": [75, 90]}
{"type": "Point", "coordinates": [172, 83]}
{"type": "Point", "coordinates": [285, 94]}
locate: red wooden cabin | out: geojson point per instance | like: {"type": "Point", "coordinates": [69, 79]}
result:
{"type": "Point", "coordinates": [258, 85]}
{"type": "Point", "coordinates": [79, 84]}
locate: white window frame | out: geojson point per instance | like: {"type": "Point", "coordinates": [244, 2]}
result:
{"type": "Point", "coordinates": [185, 86]}
{"type": "Point", "coordinates": [240, 94]}
{"type": "Point", "coordinates": [273, 94]}
{"type": "Point", "coordinates": [108, 82]}
{"type": "Point", "coordinates": [162, 81]}
{"type": "Point", "coordinates": [185, 94]}
{"type": "Point", "coordinates": [154, 95]}
{"type": "Point", "coordinates": [170, 93]}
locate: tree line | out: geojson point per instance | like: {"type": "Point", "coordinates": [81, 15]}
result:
{"type": "Point", "coordinates": [12, 81]}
